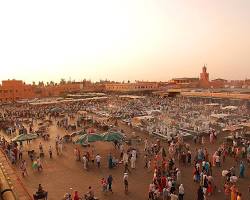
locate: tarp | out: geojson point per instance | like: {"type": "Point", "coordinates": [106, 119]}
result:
{"type": "Point", "coordinates": [212, 104]}
{"type": "Point", "coordinates": [230, 108]}
{"type": "Point", "coordinates": [219, 116]}
{"type": "Point", "coordinates": [113, 136]}
{"type": "Point", "coordinates": [24, 137]}
{"type": "Point", "coordinates": [87, 138]}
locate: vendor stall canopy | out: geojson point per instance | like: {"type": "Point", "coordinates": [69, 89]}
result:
{"type": "Point", "coordinates": [230, 108]}
{"type": "Point", "coordinates": [25, 137]}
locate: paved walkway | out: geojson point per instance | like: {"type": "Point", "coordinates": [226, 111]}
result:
{"type": "Point", "coordinates": [18, 187]}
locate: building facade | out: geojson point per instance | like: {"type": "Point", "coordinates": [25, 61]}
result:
{"type": "Point", "coordinates": [185, 82]}
{"type": "Point", "coordinates": [13, 90]}
{"type": "Point", "coordinates": [131, 87]}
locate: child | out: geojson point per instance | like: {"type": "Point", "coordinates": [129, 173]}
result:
{"type": "Point", "coordinates": [104, 185]}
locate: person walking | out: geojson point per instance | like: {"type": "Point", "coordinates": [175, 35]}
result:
{"type": "Point", "coordinates": [132, 160]}
{"type": "Point", "coordinates": [125, 181]}
{"type": "Point", "coordinates": [104, 185]}
{"type": "Point", "coordinates": [98, 160]}
{"type": "Point", "coordinates": [20, 156]}
{"type": "Point", "coordinates": [57, 148]}
{"type": "Point", "coordinates": [110, 161]}
{"type": "Point", "coordinates": [125, 158]}
{"type": "Point", "coordinates": [200, 194]}
{"type": "Point", "coordinates": [39, 164]}
{"type": "Point", "coordinates": [110, 182]}
{"type": "Point", "coordinates": [61, 146]}
{"type": "Point", "coordinates": [181, 192]}
{"type": "Point", "coordinates": [50, 152]}
{"type": "Point", "coordinates": [165, 194]}
{"type": "Point", "coordinates": [23, 168]}
{"type": "Point", "coordinates": [126, 169]}
{"type": "Point", "coordinates": [77, 154]}
{"type": "Point", "coordinates": [76, 196]}
{"type": "Point", "coordinates": [84, 160]}
{"type": "Point", "coordinates": [242, 170]}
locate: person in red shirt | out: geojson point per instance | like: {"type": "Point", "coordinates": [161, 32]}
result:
{"type": "Point", "coordinates": [163, 181]}
{"type": "Point", "coordinates": [76, 197]}
{"type": "Point", "coordinates": [104, 184]}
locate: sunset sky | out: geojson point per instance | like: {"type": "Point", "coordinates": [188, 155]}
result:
{"type": "Point", "coordinates": [124, 40]}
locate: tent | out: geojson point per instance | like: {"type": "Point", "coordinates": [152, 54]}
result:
{"type": "Point", "coordinates": [24, 137]}
{"type": "Point", "coordinates": [57, 110]}
{"type": "Point", "coordinates": [212, 104]}
{"type": "Point", "coordinates": [219, 116]}
{"type": "Point", "coordinates": [113, 136]}
{"type": "Point", "coordinates": [87, 138]}
{"type": "Point", "coordinates": [230, 108]}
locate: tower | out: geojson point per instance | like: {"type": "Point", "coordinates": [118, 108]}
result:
{"type": "Point", "coordinates": [204, 76]}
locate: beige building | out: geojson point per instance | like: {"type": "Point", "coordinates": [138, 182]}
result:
{"type": "Point", "coordinates": [131, 87]}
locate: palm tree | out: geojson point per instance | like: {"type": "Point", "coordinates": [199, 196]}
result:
{"type": "Point", "coordinates": [62, 81]}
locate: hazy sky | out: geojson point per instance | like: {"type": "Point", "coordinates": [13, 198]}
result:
{"type": "Point", "coordinates": [124, 40]}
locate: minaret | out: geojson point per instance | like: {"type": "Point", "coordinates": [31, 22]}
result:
{"type": "Point", "coordinates": [204, 76]}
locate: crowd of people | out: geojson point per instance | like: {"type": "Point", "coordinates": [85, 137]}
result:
{"type": "Point", "coordinates": [164, 160]}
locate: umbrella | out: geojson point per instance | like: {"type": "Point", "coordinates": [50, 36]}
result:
{"type": "Point", "coordinates": [113, 136]}
{"type": "Point", "coordinates": [57, 110]}
{"type": "Point", "coordinates": [87, 138]}
{"type": "Point", "coordinates": [24, 137]}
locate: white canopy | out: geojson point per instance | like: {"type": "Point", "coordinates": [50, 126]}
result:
{"type": "Point", "coordinates": [219, 116]}
{"type": "Point", "coordinates": [212, 104]}
{"type": "Point", "coordinates": [230, 108]}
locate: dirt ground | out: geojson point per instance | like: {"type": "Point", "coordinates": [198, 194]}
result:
{"type": "Point", "coordinates": [63, 174]}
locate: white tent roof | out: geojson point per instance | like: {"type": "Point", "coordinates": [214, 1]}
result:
{"type": "Point", "coordinates": [219, 115]}
{"type": "Point", "coordinates": [230, 108]}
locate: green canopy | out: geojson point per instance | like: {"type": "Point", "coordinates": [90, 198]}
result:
{"type": "Point", "coordinates": [113, 136]}
{"type": "Point", "coordinates": [87, 138]}
{"type": "Point", "coordinates": [24, 137]}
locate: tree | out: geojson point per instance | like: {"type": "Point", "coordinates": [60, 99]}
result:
{"type": "Point", "coordinates": [62, 81]}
